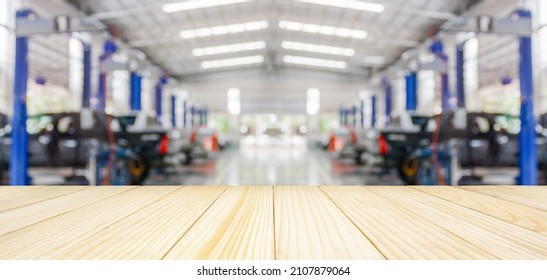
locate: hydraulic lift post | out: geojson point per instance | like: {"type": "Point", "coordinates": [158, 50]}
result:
{"type": "Point", "coordinates": [99, 101]}
{"type": "Point", "coordinates": [411, 91]}
{"type": "Point", "coordinates": [460, 84]}
{"type": "Point", "coordinates": [388, 92]}
{"type": "Point", "coordinates": [373, 113]}
{"type": "Point", "coordinates": [135, 97]}
{"type": "Point", "coordinates": [87, 75]}
{"type": "Point", "coordinates": [159, 91]}
{"type": "Point", "coordinates": [19, 137]}
{"type": "Point", "coordinates": [527, 137]}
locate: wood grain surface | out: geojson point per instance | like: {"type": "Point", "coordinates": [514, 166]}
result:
{"type": "Point", "coordinates": [267, 222]}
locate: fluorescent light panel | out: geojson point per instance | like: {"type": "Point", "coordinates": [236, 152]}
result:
{"type": "Point", "coordinates": [317, 48]}
{"type": "Point", "coordinates": [322, 29]}
{"type": "Point", "coordinates": [224, 29]}
{"type": "Point", "coordinates": [374, 60]}
{"type": "Point", "coordinates": [198, 4]}
{"type": "Point", "coordinates": [230, 62]}
{"type": "Point", "coordinates": [229, 48]}
{"type": "Point", "coordinates": [314, 62]}
{"type": "Point", "coordinates": [348, 4]}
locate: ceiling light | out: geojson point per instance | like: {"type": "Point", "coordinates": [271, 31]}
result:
{"type": "Point", "coordinates": [224, 29]}
{"type": "Point", "coordinates": [348, 4]}
{"type": "Point", "coordinates": [232, 62]}
{"type": "Point", "coordinates": [229, 48]}
{"type": "Point", "coordinates": [198, 4]}
{"type": "Point", "coordinates": [374, 60]}
{"type": "Point", "coordinates": [322, 29]}
{"type": "Point", "coordinates": [314, 62]}
{"type": "Point", "coordinates": [317, 48]}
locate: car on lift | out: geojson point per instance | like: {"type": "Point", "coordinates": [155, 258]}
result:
{"type": "Point", "coordinates": [388, 146]}
{"type": "Point", "coordinates": [55, 141]}
{"type": "Point", "coordinates": [480, 140]}
{"type": "Point", "coordinates": [202, 143]}
{"type": "Point", "coordinates": [343, 144]}
{"type": "Point", "coordinates": [58, 140]}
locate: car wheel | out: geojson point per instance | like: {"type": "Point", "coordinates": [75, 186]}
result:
{"type": "Point", "coordinates": [188, 158]}
{"type": "Point", "coordinates": [138, 170]}
{"type": "Point", "coordinates": [408, 169]}
{"type": "Point", "coordinates": [359, 159]}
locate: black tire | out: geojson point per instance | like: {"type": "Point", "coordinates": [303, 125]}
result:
{"type": "Point", "coordinates": [407, 169]}
{"type": "Point", "coordinates": [188, 158]}
{"type": "Point", "coordinates": [138, 178]}
{"type": "Point", "coordinates": [358, 159]}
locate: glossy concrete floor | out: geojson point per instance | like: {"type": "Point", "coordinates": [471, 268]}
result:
{"type": "Point", "coordinates": [273, 166]}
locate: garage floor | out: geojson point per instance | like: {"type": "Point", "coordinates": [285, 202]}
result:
{"type": "Point", "coordinates": [273, 166]}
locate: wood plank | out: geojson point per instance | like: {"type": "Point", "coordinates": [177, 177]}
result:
{"type": "Point", "coordinates": [149, 233]}
{"type": "Point", "coordinates": [21, 217]}
{"type": "Point", "coordinates": [397, 233]}
{"type": "Point", "coordinates": [239, 225]}
{"type": "Point", "coordinates": [534, 190]}
{"type": "Point", "coordinates": [309, 226]}
{"type": "Point", "coordinates": [8, 190]}
{"type": "Point", "coordinates": [512, 195]}
{"type": "Point", "coordinates": [51, 237]}
{"type": "Point", "coordinates": [511, 212]}
{"type": "Point", "coordinates": [33, 196]}
{"type": "Point", "coordinates": [500, 238]}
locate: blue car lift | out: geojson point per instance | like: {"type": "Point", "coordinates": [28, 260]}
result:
{"type": "Point", "coordinates": [99, 100]}
{"type": "Point", "coordinates": [373, 118]}
{"type": "Point", "coordinates": [460, 84]}
{"type": "Point", "coordinates": [388, 93]}
{"type": "Point", "coordinates": [87, 76]}
{"type": "Point", "coordinates": [159, 92]}
{"type": "Point", "coordinates": [519, 24]}
{"type": "Point", "coordinates": [411, 91]}
{"type": "Point", "coordinates": [135, 94]}
{"type": "Point", "coordinates": [19, 146]}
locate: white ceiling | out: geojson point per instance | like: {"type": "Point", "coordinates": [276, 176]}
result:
{"type": "Point", "coordinates": [143, 25]}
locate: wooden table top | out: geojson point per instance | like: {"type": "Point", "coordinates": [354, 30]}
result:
{"type": "Point", "coordinates": [281, 222]}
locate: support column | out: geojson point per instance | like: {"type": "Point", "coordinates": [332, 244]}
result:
{"type": "Point", "coordinates": [98, 103]}
{"type": "Point", "coordinates": [87, 76]}
{"type": "Point", "coordinates": [373, 117]}
{"type": "Point", "coordinates": [388, 92]}
{"type": "Point", "coordinates": [19, 137]}
{"type": "Point", "coordinates": [185, 113]}
{"type": "Point", "coordinates": [362, 113]}
{"type": "Point", "coordinates": [411, 91]}
{"type": "Point", "coordinates": [159, 91]}
{"type": "Point", "coordinates": [446, 99]}
{"type": "Point", "coordinates": [136, 91]}
{"type": "Point", "coordinates": [527, 136]}
{"type": "Point", "coordinates": [460, 83]}
{"type": "Point", "coordinates": [173, 110]}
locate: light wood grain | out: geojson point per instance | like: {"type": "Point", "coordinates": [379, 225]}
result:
{"type": "Point", "coordinates": [397, 233]}
{"type": "Point", "coordinates": [309, 226]}
{"type": "Point", "coordinates": [536, 190]}
{"type": "Point", "coordinates": [5, 191]}
{"type": "Point", "coordinates": [50, 237]}
{"type": "Point", "coordinates": [511, 212]}
{"type": "Point", "coordinates": [30, 214]}
{"type": "Point", "coordinates": [513, 195]}
{"type": "Point", "coordinates": [273, 223]}
{"type": "Point", "coordinates": [239, 225]}
{"type": "Point", "coordinates": [33, 196]}
{"type": "Point", "coordinates": [149, 233]}
{"type": "Point", "coordinates": [500, 238]}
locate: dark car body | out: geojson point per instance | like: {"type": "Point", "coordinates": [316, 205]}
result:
{"type": "Point", "coordinates": [485, 140]}
{"type": "Point", "coordinates": [58, 140]}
